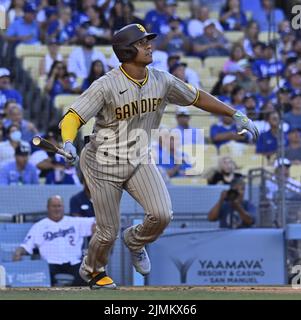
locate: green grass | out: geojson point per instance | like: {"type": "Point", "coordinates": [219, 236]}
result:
{"type": "Point", "coordinates": [154, 294]}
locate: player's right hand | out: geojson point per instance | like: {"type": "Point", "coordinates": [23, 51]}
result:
{"type": "Point", "coordinates": [69, 148]}
{"type": "Point", "coordinates": [244, 124]}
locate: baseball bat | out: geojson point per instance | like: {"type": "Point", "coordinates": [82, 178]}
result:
{"type": "Point", "coordinates": [50, 147]}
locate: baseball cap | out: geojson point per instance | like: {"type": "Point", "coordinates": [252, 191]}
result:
{"type": "Point", "coordinates": [291, 130]}
{"type": "Point", "coordinates": [208, 23]}
{"type": "Point", "coordinates": [182, 111]}
{"type": "Point", "coordinates": [23, 149]}
{"type": "Point", "coordinates": [176, 65]}
{"type": "Point", "coordinates": [229, 78]}
{"type": "Point", "coordinates": [282, 161]}
{"type": "Point", "coordinates": [171, 3]}
{"type": "Point", "coordinates": [30, 8]}
{"type": "Point", "coordinates": [4, 72]}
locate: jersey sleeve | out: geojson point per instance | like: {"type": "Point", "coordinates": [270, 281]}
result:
{"type": "Point", "coordinates": [90, 102]}
{"type": "Point", "coordinates": [29, 242]}
{"type": "Point", "coordinates": [181, 93]}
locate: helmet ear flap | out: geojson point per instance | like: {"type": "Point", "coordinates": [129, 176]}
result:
{"type": "Point", "coordinates": [125, 53]}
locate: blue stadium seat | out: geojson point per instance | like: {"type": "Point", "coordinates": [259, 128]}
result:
{"type": "Point", "coordinates": [32, 273]}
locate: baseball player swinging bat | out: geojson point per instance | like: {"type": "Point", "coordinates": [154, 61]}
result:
{"type": "Point", "coordinates": [50, 147]}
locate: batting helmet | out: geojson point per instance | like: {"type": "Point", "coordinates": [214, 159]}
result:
{"type": "Point", "coordinates": [123, 40]}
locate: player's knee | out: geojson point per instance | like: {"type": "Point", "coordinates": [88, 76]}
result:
{"type": "Point", "coordinates": [106, 237]}
{"type": "Point", "coordinates": [161, 217]}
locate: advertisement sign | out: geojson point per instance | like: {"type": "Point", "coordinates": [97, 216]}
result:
{"type": "Point", "coordinates": [219, 257]}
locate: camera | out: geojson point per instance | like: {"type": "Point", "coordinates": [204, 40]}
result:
{"type": "Point", "coordinates": [232, 195]}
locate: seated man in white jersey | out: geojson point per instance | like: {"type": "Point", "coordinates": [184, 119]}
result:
{"type": "Point", "coordinates": [59, 239]}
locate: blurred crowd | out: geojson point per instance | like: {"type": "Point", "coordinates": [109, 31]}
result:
{"type": "Point", "coordinates": [247, 80]}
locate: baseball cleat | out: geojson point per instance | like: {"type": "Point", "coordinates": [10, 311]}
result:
{"type": "Point", "coordinates": [101, 281]}
{"type": "Point", "coordinates": [140, 258]}
{"type": "Point", "coordinates": [141, 261]}
{"type": "Point", "coordinates": [96, 280]}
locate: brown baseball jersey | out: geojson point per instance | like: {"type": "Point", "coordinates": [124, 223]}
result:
{"type": "Point", "coordinates": [121, 105]}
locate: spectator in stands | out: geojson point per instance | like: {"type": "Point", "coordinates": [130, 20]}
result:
{"type": "Point", "coordinates": [268, 66]}
{"type": "Point", "coordinates": [81, 204]}
{"type": "Point", "coordinates": [15, 116]}
{"type": "Point", "coordinates": [211, 43]}
{"type": "Point", "coordinates": [267, 15]}
{"type": "Point", "coordinates": [195, 26]}
{"type": "Point", "coordinates": [249, 103]}
{"type": "Point", "coordinates": [96, 71]}
{"type": "Point", "coordinates": [262, 123]}
{"type": "Point", "coordinates": [15, 11]}
{"type": "Point", "coordinates": [81, 58]}
{"type": "Point", "coordinates": [283, 100]}
{"type": "Point", "coordinates": [52, 55]}
{"type": "Point", "coordinates": [175, 40]}
{"type": "Point", "coordinates": [294, 79]}
{"type": "Point", "coordinates": [62, 173]}
{"type": "Point", "coordinates": [7, 93]}
{"type": "Point", "coordinates": [169, 156]}
{"type": "Point", "coordinates": [225, 131]}
{"type": "Point", "coordinates": [8, 147]}
{"type": "Point", "coordinates": [97, 26]}
{"type": "Point", "coordinates": [20, 171]}
{"type": "Point", "coordinates": [191, 75]}
{"type": "Point", "coordinates": [292, 187]}
{"type": "Point", "coordinates": [160, 58]}
{"type": "Point", "coordinates": [227, 85]}
{"type": "Point", "coordinates": [293, 117]}
{"type": "Point", "coordinates": [237, 54]}
{"type": "Point", "coordinates": [224, 173]}
{"type": "Point", "coordinates": [267, 143]}
{"type": "Point", "coordinates": [58, 81]}
{"type": "Point", "coordinates": [231, 210]}
{"type": "Point", "coordinates": [293, 150]}
{"type": "Point", "coordinates": [24, 30]}
{"type": "Point", "coordinates": [1, 128]}
{"type": "Point", "coordinates": [46, 161]}
{"type": "Point", "coordinates": [251, 38]}
{"type": "Point", "coordinates": [155, 17]}
{"type": "Point", "coordinates": [127, 16]}
{"type": "Point", "coordinates": [179, 70]}
{"type": "Point", "coordinates": [232, 17]}
{"type": "Point", "coordinates": [237, 97]}
{"type": "Point", "coordinates": [59, 240]}
{"type": "Point", "coordinates": [170, 11]}
{"type": "Point", "coordinates": [64, 29]}
{"type": "Point", "coordinates": [189, 135]}
{"type": "Point", "coordinates": [264, 92]}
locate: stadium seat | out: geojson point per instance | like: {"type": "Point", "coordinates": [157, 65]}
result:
{"type": "Point", "coordinates": [26, 50]}
{"type": "Point", "coordinates": [295, 172]}
{"type": "Point", "coordinates": [28, 273]}
{"type": "Point", "coordinates": [215, 64]}
{"type": "Point", "coordinates": [234, 36]}
{"type": "Point", "coordinates": [193, 63]}
{"type": "Point", "coordinates": [32, 64]}
{"type": "Point", "coordinates": [264, 36]}
{"type": "Point", "coordinates": [63, 101]}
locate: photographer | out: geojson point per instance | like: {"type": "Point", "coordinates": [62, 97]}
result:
{"type": "Point", "coordinates": [232, 210]}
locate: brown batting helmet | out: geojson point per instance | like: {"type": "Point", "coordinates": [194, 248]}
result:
{"type": "Point", "coordinates": [123, 40]}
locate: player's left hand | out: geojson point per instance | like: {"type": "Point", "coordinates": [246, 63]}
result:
{"type": "Point", "coordinates": [244, 124]}
{"type": "Point", "coordinates": [70, 148]}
